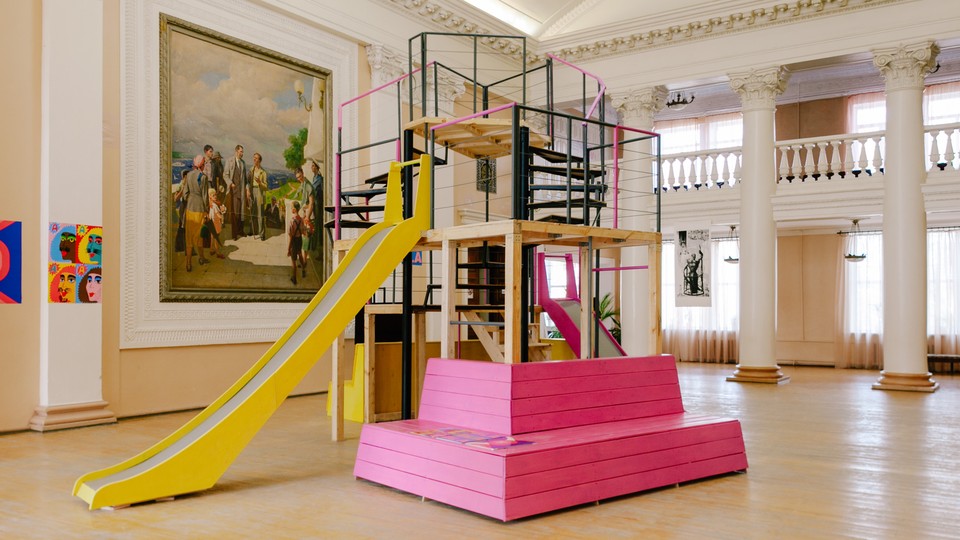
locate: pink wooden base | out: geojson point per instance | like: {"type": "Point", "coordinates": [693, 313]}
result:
{"type": "Point", "coordinates": [513, 476]}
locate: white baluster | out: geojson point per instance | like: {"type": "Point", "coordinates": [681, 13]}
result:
{"type": "Point", "coordinates": [847, 158]}
{"type": "Point", "coordinates": [687, 167]}
{"type": "Point", "coordinates": [725, 162]}
{"type": "Point", "coordinates": [665, 167]}
{"type": "Point", "coordinates": [784, 169]}
{"type": "Point", "coordinates": [862, 160]}
{"type": "Point", "coordinates": [934, 150]}
{"type": "Point", "coordinates": [714, 172]}
{"type": "Point", "coordinates": [949, 155]}
{"type": "Point", "coordinates": [877, 159]}
{"type": "Point", "coordinates": [736, 168]}
{"type": "Point", "coordinates": [821, 167]}
{"type": "Point", "coordinates": [834, 158]}
{"type": "Point", "coordinates": [808, 163]}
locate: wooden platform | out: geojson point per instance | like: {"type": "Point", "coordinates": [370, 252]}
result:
{"type": "Point", "coordinates": [476, 137]}
{"type": "Point", "coordinates": [510, 441]}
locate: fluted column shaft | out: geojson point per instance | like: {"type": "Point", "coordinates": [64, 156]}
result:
{"type": "Point", "coordinates": [640, 331]}
{"type": "Point", "coordinates": [758, 90]}
{"type": "Point", "coordinates": [904, 220]}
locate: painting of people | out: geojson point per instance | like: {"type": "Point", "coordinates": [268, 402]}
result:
{"type": "Point", "coordinates": [693, 268]}
{"type": "Point", "coordinates": [247, 140]}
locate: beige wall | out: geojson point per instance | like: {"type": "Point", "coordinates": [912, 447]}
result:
{"type": "Point", "coordinates": [20, 47]}
{"type": "Point", "coordinates": [807, 298]}
{"type": "Point", "coordinates": [811, 119]}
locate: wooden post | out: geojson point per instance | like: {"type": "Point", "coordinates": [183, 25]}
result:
{"type": "Point", "coordinates": [656, 325]}
{"type": "Point", "coordinates": [336, 395]}
{"type": "Point", "coordinates": [513, 242]}
{"type": "Point", "coordinates": [448, 299]}
{"type": "Point", "coordinates": [369, 366]}
{"type": "Point", "coordinates": [586, 300]}
{"type": "Point", "coordinates": [420, 343]}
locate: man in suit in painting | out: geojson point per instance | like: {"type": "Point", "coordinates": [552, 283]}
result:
{"type": "Point", "coordinates": [235, 175]}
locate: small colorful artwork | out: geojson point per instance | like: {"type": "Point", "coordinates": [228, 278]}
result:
{"type": "Point", "coordinates": [471, 438]}
{"type": "Point", "coordinates": [11, 261]}
{"type": "Point", "coordinates": [75, 272]}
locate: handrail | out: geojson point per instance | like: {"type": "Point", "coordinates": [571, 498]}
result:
{"type": "Point", "coordinates": [603, 87]}
{"type": "Point", "coordinates": [338, 160]}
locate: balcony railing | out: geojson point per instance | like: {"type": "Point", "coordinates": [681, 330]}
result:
{"type": "Point", "coordinates": [837, 157]}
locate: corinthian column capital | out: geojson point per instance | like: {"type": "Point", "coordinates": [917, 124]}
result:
{"type": "Point", "coordinates": [638, 107]}
{"type": "Point", "coordinates": [385, 64]}
{"type": "Point", "coordinates": [759, 88]}
{"type": "Point", "coordinates": [906, 66]}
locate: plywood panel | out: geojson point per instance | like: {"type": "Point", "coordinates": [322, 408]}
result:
{"type": "Point", "coordinates": [790, 288]}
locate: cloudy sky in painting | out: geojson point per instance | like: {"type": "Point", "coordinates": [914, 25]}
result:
{"type": "Point", "coordinates": [224, 98]}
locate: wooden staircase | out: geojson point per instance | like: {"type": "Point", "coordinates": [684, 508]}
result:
{"type": "Point", "coordinates": [581, 187]}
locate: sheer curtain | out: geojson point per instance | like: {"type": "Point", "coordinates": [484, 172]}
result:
{"type": "Point", "coordinates": [860, 309]}
{"type": "Point", "coordinates": [943, 284]}
{"type": "Point", "coordinates": [700, 333]}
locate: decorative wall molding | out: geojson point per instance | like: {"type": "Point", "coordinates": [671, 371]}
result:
{"type": "Point", "coordinates": [386, 64]}
{"type": "Point", "coordinates": [638, 107]}
{"type": "Point", "coordinates": [54, 417]}
{"type": "Point", "coordinates": [145, 321]}
{"type": "Point", "coordinates": [442, 16]}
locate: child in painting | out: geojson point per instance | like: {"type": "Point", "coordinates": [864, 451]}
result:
{"type": "Point", "coordinates": [295, 245]}
{"type": "Point", "coordinates": [216, 223]}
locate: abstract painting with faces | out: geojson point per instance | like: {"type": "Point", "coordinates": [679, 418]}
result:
{"type": "Point", "coordinates": [11, 261]}
{"type": "Point", "coordinates": [74, 275]}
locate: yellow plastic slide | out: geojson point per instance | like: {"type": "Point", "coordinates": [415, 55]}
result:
{"type": "Point", "coordinates": [195, 456]}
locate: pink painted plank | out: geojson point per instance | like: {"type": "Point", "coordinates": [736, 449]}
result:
{"type": "Point", "coordinates": [549, 421]}
{"type": "Point", "coordinates": [525, 389]}
{"type": "Point", "coordinates": [469, 369]}
{"type": "Point", "coordinates": [712, 467]}
{"type": "Point", "coordinates": [599, 398]}
{"type": "Point", "coordinates": [580, 368]}
{"type": "Point", "coordinates": [451, 453]}
{"type": "Point", "coordinates": [472, 420]}
{"type": "Point", "coordinates": [596, 471]}
{"type": "Point", "coordinates": [588, 451]}
{"type": "Point", "coordinates": [482, 404]}
{"type": "Point", "coordinates": [467, 387]}
{"type": "Point", "coordinates": [432, 489]}
{"type": "Point", "coordinates": [428, 468]}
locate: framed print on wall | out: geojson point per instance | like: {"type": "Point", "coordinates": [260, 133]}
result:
{"type": "Point", "coordinates": [243, 137]}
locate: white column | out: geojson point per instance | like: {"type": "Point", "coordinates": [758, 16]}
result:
{"type": "Point", "coordinates": [758, 90]}
{"type": "Point", "coordinates": [905, 220]}
{"type": "Point", "coordinates": [640, 330]}
{"type": "Point", "coordinates": [71, 192]}
{"type": "Point", "coordinates": [385, 109]}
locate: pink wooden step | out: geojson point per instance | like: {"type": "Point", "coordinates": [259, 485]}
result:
{"type": "Point", "coordinates": [510, 441]}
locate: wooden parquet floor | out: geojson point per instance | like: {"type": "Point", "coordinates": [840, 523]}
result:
{"type": "Point", "coordinates": [829, 458]}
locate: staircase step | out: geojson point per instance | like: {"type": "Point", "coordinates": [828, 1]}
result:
{"type": "Point", "coordinates": [554, 218]}
{"type": "Point", "coordinates": [575, 203]}
{"type": "Point", "coordinates": [480, 265]}
{"type": "Point", "coordinates": [366, 193]}
{"type": "Point", "coordinates": [437, 160]}
{"type": "Point", "coordinates": [349, 224]}
{"type": "Point", "coordinates": [562, 171]}
{"type": "Point", "coordinates": [356, 208]}
{"type": "Point", "coordinates": [378, 179]}
{"type": "Point", "coordinates": [554, 156]}
{"type": "Point", "coordinates": [576, 188]}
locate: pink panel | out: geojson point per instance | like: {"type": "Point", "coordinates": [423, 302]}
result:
{"type": "Point", "coordinates": [467, 387]}
{"type": "Point", "coordinates": [598, 398]}
{"type": "Point", "coordinates": [428, 468]}
{"type": "Point", "coordinates": [588, 451]}
{"type": "Point", "coordinates": [580, 368]}
{"type": "Point", "coordinates": [540, 422]}
{"type": "Point", "coordinates": [469, 369]}
{"type": "Point", "coordinates": [477, 459]}
{"type": "Point", "coordinates": [472, 420]}
{"type": "Point", "coordinates": [492, 406]}
{"type": "Point", "coordinates": [432, 489]}
{"type": "Point", "coordinates": [591, 383]}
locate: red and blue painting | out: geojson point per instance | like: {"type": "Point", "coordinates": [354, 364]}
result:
{"type": "Point", "coordinates": [11, 262]}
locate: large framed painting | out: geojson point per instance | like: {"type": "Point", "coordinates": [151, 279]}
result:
{"type": "Point", "coordinates": [243, 155]}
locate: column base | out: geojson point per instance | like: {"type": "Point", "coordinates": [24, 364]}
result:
{"type": "Point", "coordinates": [71, 416]}
{"type": "Point", "coordinates": [757, 374]}
{"type": "Point", "coordinates": [906, 382]}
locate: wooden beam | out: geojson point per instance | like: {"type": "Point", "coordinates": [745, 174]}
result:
{"type": "Point", "coordinates": [586, 296]}
{"type": "Point", "coordinates": [653, 271]}
{"type": "Point", "coordinates": [336, 395]}
{"type": "Point", "coordinates": [488, 340]}
{"type": "Point", "coordinates": [448, 299]}
{"type": "Point", "coordinates": [512, 268]}
{"type": "Point", "coordinates": [369, 365]}
{"type": "Point", "coordinates": [420, 342]}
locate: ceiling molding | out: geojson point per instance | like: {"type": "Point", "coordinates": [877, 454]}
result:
{"type": "Point", "coordinates": [780, 13]}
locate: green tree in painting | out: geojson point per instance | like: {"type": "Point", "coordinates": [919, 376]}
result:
{"type": "Point", "coordinates": [293, 155]}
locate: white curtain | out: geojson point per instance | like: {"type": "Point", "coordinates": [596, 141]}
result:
{"type": "Point", "coordinates": [943, 298]}
{"type": "Point", "coordinates": [860, 309]}
{"type": "Point", "coordinates": [705, 334]}
{"type": "Point", "coordinates": [941, 104]}
{"type": "Point", "coordinates": [866, 113]}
